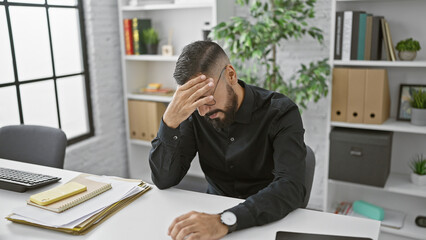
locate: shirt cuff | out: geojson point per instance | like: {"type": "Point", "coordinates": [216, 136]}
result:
{"type": "Point", "coordinates": [168, 135]}
{"type": "Point", "coordinates": [244, 217]}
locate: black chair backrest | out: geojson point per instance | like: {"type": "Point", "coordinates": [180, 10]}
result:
{"type": "Point", "coordinates": [309, 174]}
{"type": "Point", "coordinates": [33, 144]}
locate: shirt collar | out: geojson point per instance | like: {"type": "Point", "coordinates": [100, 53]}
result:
{"type": "Point", "coordinates": [243, 115]}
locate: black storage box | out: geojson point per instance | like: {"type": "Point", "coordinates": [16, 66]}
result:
{"type": "Point", "coordinates": [360, 156]}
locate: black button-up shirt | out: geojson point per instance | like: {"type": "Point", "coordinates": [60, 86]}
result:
{"type": "Point", "coordinates": [260, 157]}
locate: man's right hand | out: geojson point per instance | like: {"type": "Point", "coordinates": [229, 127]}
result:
{"type": "Point", "coordinates": [186, 99]}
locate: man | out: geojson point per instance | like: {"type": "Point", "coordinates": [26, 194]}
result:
{"type": "Point", "coordinates": [249, 141]}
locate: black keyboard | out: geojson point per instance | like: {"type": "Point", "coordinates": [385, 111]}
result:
{"type": "Point", "coordinates": [20, 181]}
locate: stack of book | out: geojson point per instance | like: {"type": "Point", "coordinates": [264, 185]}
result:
{"type": "Point", "coordinates": [81, 212]}
{"type": "Point", "coordinates": [133, 40]}
{"type": "Point", "coordinates": [393, 219]}
{"type": "Point", "coordinates": [361, 36]}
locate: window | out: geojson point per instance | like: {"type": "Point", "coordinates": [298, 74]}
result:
{"type": "Point", "coordinates": [44, 78]}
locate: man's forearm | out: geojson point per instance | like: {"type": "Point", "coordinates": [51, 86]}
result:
{"type": "Point", "coordinates": [270, 204]}
{"type": "Point", "coordinates": [168, 164]}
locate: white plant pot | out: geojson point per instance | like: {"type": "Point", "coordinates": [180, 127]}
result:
{"type": "Point", "coordinates": [418, 116]}
{"type": "Point", "coordinates": [417, 179]}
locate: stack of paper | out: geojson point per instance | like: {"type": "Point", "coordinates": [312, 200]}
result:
{"type": "Point", "coordinates": [81, 218]}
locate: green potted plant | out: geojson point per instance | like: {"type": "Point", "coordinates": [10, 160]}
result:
{"type": "Point", "coordinates": [151, 40]}
{"type": "Point", "coordinates": [418, 107]}
{"type": "Point", "coordinates": [407, 49]}
{"type": "Point", "coordinates": [253, 43]}
{"type": "Point", "coordinates": [418, 167]}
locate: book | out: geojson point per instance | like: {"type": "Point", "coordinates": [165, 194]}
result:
{"type": "Point", "coordinates": [390, 42]}
{"type": "Point", "coordinates": [94, 188]}
{"type": "Point", "coordinates": [368, 33]}
{"type": "Point", "coordinates": [376, 39]}
{"type": "Point", "coordinates": [393, 219]}
{"type": "Point", "coordinates": [58, 193]}
{"type": "Point", "coordinates": [385, 39]}
{"type": "Point", "coordinates": [338, 36]}
{"type": "Point", "coordinates": [128, 36]}
{"type": "Point", "coordinates": [347, 35]}
{"type": "Point", "coordinates": [138, 26]}
{"type": "Point", "coordinates": [361, 35]}
{"type": "Point", "coordinates": [356, 15]}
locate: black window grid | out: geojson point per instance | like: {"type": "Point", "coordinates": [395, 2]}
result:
{"type": "Point", "coordinates": [54, 77]}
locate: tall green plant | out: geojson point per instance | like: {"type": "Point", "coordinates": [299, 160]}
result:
{"type": "Point", "coordinates": [253, 44]}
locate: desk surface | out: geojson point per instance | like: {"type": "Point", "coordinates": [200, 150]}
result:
{"type": "Point", "coordinates": [150, 215]}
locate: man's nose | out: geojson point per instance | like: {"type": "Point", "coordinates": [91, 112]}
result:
{"type": "Point", "coordinates": [203, 110]}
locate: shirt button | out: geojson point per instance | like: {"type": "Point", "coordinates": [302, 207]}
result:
{"type": "Point", "coordinates": [175, 137]}
{"type": "Point", "coordinates": [232, 139]}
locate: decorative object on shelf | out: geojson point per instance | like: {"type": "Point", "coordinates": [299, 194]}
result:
{"type": "Point", "coordinates": [418, 108]}
{"type": "Point", "coordinates": [150, 37]}
{"type": "Point", "coordinates": [407, 49]}
{"type": "Point", "coordinates": [167, 50]}
{"type": "Point", "coordinates": [405, 96]}
{"type": "Point", "coordinates": [156, 89]}
{"type": "Point", "coordinates": [254, 41]}
{"type": "Point", "coordinates": [418, 167]}
{"type": "Point", "coordinates": [206, 31]}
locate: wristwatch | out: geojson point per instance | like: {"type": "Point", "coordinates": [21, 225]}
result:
{"type": "Point", "coordinates": [230, 220]}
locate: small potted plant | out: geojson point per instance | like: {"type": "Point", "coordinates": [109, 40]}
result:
{"type": "Point", "coordinates": [407, 49]}
{"type": "Point", "coordinates": [418, 108]}
{"type": "Point", "coordinates": [418, 166]}
{"type": "Point", "coordinates": [151, 40]}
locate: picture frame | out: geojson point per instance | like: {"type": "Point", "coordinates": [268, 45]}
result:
{"type": "Point", "coordinates": [404, 107]}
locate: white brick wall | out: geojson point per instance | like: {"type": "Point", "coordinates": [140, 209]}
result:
{"type": "Point", "coordinates": [106, 152]}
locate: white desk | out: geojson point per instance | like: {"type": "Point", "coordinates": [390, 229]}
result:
{"type": "Point", "coordinates": [150, 215]}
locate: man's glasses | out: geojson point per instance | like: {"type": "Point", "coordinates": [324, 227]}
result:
{"type": "Point", "coordinates": [213, 102]}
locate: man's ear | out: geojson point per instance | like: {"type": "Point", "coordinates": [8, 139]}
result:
{"type": "Point", "coordinates": [231, 75]}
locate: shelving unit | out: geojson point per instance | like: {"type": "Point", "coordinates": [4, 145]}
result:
{"type": "Point", "coordinates": [185, 22]}
{"type": "Point", "coordinates": [408, 140]}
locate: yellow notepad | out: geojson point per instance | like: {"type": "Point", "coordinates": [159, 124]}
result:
{"type": "Point", "coordinates": [93, 189]}
{"type": "Point", "coordinates": [57, 193]}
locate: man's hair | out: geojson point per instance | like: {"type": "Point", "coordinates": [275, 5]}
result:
{"type": "Point", "coordinates": [197, 57]}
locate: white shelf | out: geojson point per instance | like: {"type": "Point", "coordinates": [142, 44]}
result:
{"type": "Point", "coordinates": [140, 142]}
{"type": "Point", "coordinates": [388, 125]}
{"type": "Point", "coordinates": [154, 58]}
{"type": "Point", "coordinates": [147, 97]}
{"type": "Point", "coordinates": [410, 229]}
{"type": "Point", "coordinates": [400, 183]}
{"type": "Point", "coordinates": [170, 6]}
{"type": "Point", "coordinates": [361, 63]}
{"type": "Point", "coordinates": [396, 183]}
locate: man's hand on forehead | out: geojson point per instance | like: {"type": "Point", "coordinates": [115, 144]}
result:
{"type": "Point", "coordinates": [187, 98]}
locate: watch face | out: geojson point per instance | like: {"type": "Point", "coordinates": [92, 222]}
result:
{"type": "Point", "coordinates": [229, 218]}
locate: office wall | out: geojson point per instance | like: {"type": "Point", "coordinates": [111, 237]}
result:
{"type": "Point", "coordinates": [106, 152]}
{"type": "Point", "coordinates": [291, 55]}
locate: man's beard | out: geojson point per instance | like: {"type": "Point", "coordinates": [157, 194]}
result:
{"type": "Point", "coordinates": [229, 112]}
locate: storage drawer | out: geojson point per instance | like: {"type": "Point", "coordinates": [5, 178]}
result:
{"type": "Point", "coordinates": [360, 156]}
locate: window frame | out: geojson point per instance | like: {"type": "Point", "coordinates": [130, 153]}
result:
{"type": "Point", "coordinates": [54, 77]}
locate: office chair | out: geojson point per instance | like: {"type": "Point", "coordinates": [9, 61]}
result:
{"type": "Point", "coordinates": [33, 144]}
{"type": "Point", "coordinates": [309, 174]}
